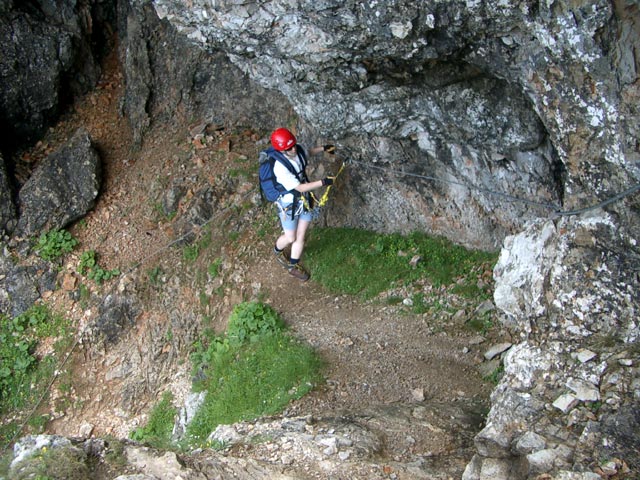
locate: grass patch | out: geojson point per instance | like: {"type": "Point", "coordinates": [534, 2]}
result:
{"type": "Point", "coordinates": [158, 429]}
{"type": "Point", "coordinates": [359, 262]}
{"type": "Point", "coordinates": [255, 369]}
{"type": "Point", "coordinates": [23, 375]}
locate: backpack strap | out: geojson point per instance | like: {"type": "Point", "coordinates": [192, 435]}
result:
{"type": "Point", "coordinates": [301, 175]}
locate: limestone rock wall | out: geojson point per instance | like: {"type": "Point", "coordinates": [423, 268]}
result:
{"type": "Point", "coordinates": [523, 98]}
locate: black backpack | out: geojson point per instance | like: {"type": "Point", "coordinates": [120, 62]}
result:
{"type": "Point", "coordinates": [271, 189]}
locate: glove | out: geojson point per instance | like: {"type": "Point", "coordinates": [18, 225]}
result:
{"type": "Point", "coordinates": [327, 181]}
{"type": "Point", "coordinates": [330, 149]}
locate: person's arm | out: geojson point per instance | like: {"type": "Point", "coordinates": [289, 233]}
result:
{"type": "Point", "coordinates": [330, 149]}
{"type": "Point", "coordinates": [306, 187]}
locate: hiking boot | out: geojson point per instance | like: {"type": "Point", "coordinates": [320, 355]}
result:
{"type": "Point", "coordinates": [298, 271]}
{"type": "Point", "coordinates": [281, 258]}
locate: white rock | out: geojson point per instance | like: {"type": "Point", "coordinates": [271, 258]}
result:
{"type": "Point", "coordinates": [85, 430]}
{"type": "Point", "coordinates": [530, 442]}
{"type": "Point", "coordinates": [344, 455]}
{"type": "Point", "coordinates": [565, 402]}
{"type": "Point", "coordinates": [400, 30]}
{"type": "Point", "coordinates": [225, 434]}
{"type": "Point", "coordinates": [497, 350]}
{"type": "Point", "coordinates": [541, 461]}
{"type": "Point", "coordinates": [495, 469]}
{"type": "Point", "coordinates": [584, 391]}
{"type": "Point", "coordinates": [417, 394]}
{"type": "Point", "coordinates": [584, 355]}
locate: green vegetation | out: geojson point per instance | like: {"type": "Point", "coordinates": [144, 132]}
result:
{"type": "Point", "coordinates": [253, 321]}
{"type": "Point", "coordinates": [89, 266]}
{"type": "Point", "coordinates": [363, 263]}
{"type": "Point", "coordinates": [190, 253]}
{"type": "Point", "coordinates": [481, 324]}
{"type": "Point", "coordinates": [55, 243]}
{"type": "Point", "coordinates": [154, 275]}
{"type": "Point", "coordinates": [63, 463]}
{"type": "Point", "coordinates": [495, 376]}
{"type": "Point", "coordinates": [254, 370]}
{"type": "Point", "coordinates": [214, 268]}
{"type": "Point", "coordinates": [157, 431]}
{"type": "Point", "coordinates": [22, 373]}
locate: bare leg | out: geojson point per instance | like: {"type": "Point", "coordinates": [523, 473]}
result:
{"type": "Point", "coordinates": [298, 244]}
{"type": "Point", "coordinates": [286, 239]}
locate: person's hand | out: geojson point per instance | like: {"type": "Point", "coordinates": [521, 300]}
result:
{"type": "Point", "coordinates": [330, 149]}
{"type": "Point", "coordinates": [327, 181]}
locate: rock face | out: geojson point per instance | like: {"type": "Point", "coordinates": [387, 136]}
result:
{"type": "Point", "coordinates": [62, 188]}
{"type": "Point", "coordinates": [162, 82]}
{"type": "Point", "coordinates": [8, 215]}
{"type": "Point", "coordinates": [50, 53]}
{"type": "Point", "coordinates": [530, 100]}
{"type": "Point", "coordinates": [568, 290]}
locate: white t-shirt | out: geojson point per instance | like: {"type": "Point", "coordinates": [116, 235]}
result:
{"type": "Point", "coordinates": [287, 179]}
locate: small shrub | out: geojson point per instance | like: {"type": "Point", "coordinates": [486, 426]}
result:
{"type": "Point", "coordinates": [214, 268]}
{"type": "Point", "coordinates": [191, 252]}
{"type": "Point", "coordinates": [251, 321]}
{"type": "Point", "coordinates": [61, 463]}
{"type": "Point", "coordinates": [157, 431]}
{"type": "Point", "coordinates": [55, 243]}
{"type": "Point", "coordinates": [89, 266]}
{"type": "Point", "coordinates": [154, 275]}
{"type": "Point", "coordinates": [495, 376]}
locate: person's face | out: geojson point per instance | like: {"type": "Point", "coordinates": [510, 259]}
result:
{"type": "Point", "coordinates": [291, 152]}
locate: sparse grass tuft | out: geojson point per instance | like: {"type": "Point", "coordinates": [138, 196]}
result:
{"type": "Point", "coordinates": [158, 429]}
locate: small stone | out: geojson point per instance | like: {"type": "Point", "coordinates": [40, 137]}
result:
{"type": "Point", "coordinates": [541, 461]}
{"type": "Point", "coordinates": [626, 362]}
{"type": "Point", "coordinates": [344, 455]}
{"type": "Point", "coordinates": [497, 350]}
{"type": "Point", "coordinates": [565, 402]}
{"type": "Point", "coordinates": [417, 394]}
{"type": "Point", "coordinates": [460, 316]}
{"type": "Point", "coordinates": [584, 391]}
{"type": "Point", "coordinates": [85, 430]}
{"type": "Point", "coordinates": [584, 355]}
{"type": "Point", "coordinates": [530, 442]}
{"type": "Point", "coordinates": [485, 307]}
{"type": "Point", "coordinates": [69, 282]}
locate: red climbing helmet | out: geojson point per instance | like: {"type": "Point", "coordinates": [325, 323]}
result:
{"type": "Point", "coordinates": [282, 139]}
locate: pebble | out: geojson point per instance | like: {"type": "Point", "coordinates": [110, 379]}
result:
{"type": "Point", "coordinates": [565, 402]}
{"type": "Point", "coordinates": [497, 350]}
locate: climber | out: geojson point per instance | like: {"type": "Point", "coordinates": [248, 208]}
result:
{"type": "Point", "coordinates": [284, 181]}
